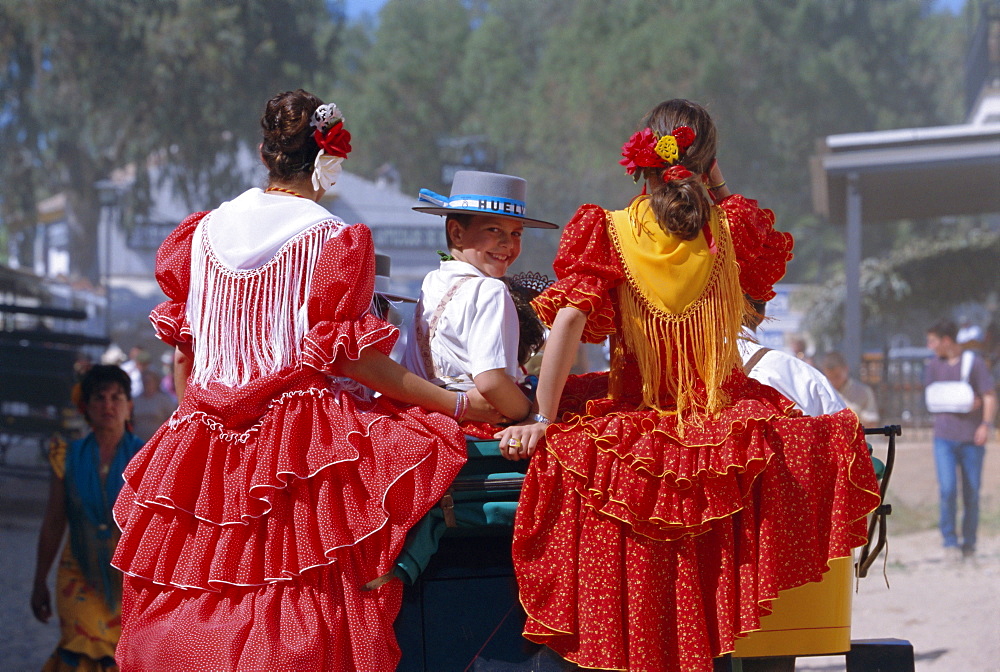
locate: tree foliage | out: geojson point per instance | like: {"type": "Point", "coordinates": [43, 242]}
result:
{"type": "Point", "coordinates": [554, 87]}
{"type": "Point", "coordinates": [558, 86]}
{"type": "Point", "coordinates": [90, 86]}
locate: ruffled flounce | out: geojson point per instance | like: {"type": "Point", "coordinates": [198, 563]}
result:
{"type": "Point", "coordinates": [206, 504]}
{"type": "Point", "coordinates": [707, 474]}
{"type": "Point", "coordinates": [480, 430]}
{"type": "Point", "coordinates": [319, 622]}
{"type": "Point", "coordinates": [328, 340]}
{"type": "Point", "coordinates": [170, 323]}
{"type": "Point", "coordinates": [638, 550]}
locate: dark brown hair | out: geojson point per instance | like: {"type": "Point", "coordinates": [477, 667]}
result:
{"type": "Point", "coordinates": [101, 377]}
{"type": "Point", "coordinates": [288, 148]}
{"type": "Point", "coordinates": [463, 220]}
{"type": "Point", "coordinates": [531, 331]}
{"type": "Point", "coordinates": [944, 329]}
{"type": "Point", "coordinates": [682, 206]}
{"type": "Point", "coordinates": [758, 311]}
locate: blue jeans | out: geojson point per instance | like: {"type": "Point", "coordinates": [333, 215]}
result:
{"type": "Point", "coordinates": [951, 457]}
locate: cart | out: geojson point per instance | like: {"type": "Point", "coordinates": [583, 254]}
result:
{"type": "Point", "coordinates": [462, 614]}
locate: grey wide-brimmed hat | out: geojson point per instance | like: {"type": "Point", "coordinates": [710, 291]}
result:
{"type": "Point", "coordinates": [383, 266]}
{"type": "Point", "coordinates": [477, 193]}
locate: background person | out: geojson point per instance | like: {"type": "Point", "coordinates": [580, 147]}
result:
{"type": "Point", "coordinates": [283, 484]}
{"type": "Point", "coordinates": [152, 408]}
{"type": "Point", "coordinates": [86, 478]}
{"type": "Point", "coordinates": [959, 440]}
{"type": "Point", "coordinates": [860, 398]}
{"type": "Point", "coordinates": [138, 361]}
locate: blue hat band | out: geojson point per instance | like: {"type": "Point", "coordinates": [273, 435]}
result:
{"type": "Point", "coordinates": [492, 205]}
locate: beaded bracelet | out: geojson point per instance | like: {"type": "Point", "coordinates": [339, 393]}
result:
{"type": "Point", "coordinates": [461, 406]}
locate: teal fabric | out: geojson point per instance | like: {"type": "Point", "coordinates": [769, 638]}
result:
{"type": "Point", "coordinates": [88, 509]}
{"type": "Point", "coordinates": [485, 494]}
{"type": "Point", "coordinates": [424, 538]}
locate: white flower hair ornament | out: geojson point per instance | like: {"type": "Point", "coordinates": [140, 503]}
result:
{"type": "Point", "coordinates": [334, 145]}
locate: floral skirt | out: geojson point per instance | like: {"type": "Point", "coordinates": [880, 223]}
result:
{"type": "Point", "coordinates": [89, 628]}
{"type": "Point", "coordinates": [637, 549]}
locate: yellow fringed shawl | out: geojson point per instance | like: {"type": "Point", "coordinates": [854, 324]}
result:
{"type": "Point", "coordinates": [681, 309]}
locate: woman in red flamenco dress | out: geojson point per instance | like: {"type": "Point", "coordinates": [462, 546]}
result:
{"type": "Point", "coordinates": [282, 484]}
{"type": "Point", "coordinates": [659, 520]}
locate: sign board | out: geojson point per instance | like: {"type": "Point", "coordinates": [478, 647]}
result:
{"type": "Point", "coordinates": [149, 235]}
{"type": "Point", "coordinates": [429, 238]}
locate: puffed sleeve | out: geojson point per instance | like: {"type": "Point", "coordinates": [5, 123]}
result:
{"type": "Point", "coordinates": [173, 272]}
{"type": "Point", "coordinates": [762, 252]}
{"type": "Point", "coordinates": [586, 271]}
{"type": "Point", "coordinates": [339, 303]}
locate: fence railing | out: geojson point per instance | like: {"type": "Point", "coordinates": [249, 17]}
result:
{"type": "Point", "coordinates": [897, 376]}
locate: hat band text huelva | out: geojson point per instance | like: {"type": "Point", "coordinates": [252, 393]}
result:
{"type": "Point", "coordinates": [494, 205]}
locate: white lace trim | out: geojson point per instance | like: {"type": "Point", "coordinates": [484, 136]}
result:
{"type": "Point", "coordinates": [340, 386]}
{"type": "Point", "coordinates": [250, 323]}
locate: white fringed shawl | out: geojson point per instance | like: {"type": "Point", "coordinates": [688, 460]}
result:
{"type": "Point", "coordinates": [252, 263]}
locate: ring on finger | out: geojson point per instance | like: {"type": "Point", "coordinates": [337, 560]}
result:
{"type": "Point", "coordinates": [513, 443]}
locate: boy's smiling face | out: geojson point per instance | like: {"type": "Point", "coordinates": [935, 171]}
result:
{"type": "Point", "coordinates": [489, 243]}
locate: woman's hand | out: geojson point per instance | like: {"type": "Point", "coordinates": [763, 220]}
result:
{"type": "Point", "coordinates": [480, 410]}
{"type": "Point", "coordinates": [518, 442]}
{"type": "Point", "coordinates": [41, 605]}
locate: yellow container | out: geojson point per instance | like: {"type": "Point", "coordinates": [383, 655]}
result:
{"type": "Point", "coordinates": [814, 619]}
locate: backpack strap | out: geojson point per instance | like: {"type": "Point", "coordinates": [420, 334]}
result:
{"type": "Point", "coordinates": [967, 358]}
{"type": "Point", "coordinates": [424, 337]}
{"type": "Point", "coordinates": [754, 359]}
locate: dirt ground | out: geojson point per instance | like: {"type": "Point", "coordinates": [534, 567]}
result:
{"type": "Point", "coordinates": [949, 612]}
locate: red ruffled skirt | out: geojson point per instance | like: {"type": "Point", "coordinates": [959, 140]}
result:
{"type": "Point", "coordinates": [246, 541]}
{"type": "Point", "coordinates": [636, 549]}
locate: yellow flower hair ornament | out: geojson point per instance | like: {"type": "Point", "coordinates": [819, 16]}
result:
{"type": "Point", "coordinates": [645, 150]}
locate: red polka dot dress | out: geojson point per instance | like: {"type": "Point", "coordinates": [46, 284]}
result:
{"type": "Point", "coordinates": [650, 539]}
{"type": "Point", "coordinates": [251, 520]}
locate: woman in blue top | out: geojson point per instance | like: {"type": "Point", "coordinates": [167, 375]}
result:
{"type": "Point", "coordinates": [86, 478]}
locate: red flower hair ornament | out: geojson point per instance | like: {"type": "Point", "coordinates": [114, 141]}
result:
{"type": "Point", "coordinates": [334, 145]}
{"type": "Point", "coordinates": [677, 172]}
{"type": "Point", "coordinates": [647, 150]}
{"type": "Point", "coordinates": [336, 141]}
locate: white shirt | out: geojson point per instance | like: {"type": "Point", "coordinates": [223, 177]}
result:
{"type": "Point", "coordinates": [477, 331]}
{"type": "Point", "coordinates": [801, 383]}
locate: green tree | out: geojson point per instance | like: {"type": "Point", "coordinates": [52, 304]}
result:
{"type": "Point", "coordinates": [558, 86]}
{"type": "Point", "coordinates": [396, 95]}
{"type": "Point", "coordinates": [94, 85]}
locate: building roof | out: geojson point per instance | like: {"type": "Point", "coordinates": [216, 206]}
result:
{"type": "Point", "coordinates": [910, 173]}
{"type": "Point", "coordinates": [355, 199]}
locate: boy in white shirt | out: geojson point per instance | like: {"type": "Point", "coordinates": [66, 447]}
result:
{"type": "Point", "coordinates": [798, 381]}
{"type": "Point", "coordinates": [465, 330]}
